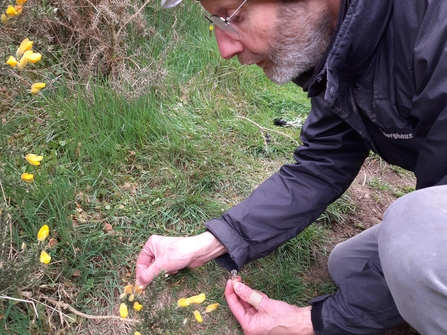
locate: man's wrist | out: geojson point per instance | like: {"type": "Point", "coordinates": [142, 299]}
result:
{"type": "Point", "coordinates": [211, 248]}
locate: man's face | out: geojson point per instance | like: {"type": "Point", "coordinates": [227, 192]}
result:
{"type": "Point", "coordinates": [284, 39]}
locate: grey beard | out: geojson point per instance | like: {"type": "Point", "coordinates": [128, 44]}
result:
{"type": "Point", "coordinates": [300, 44]}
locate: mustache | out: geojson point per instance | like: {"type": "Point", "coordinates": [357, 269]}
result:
{"type": "Point", "coordinates": [247, 58]}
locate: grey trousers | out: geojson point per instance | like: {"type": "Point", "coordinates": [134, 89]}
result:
{"type": "Point", "coordinates": [393, 272]}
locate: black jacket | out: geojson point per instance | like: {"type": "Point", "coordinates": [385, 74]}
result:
{"type": "Point", "coordinates": [382, 87]}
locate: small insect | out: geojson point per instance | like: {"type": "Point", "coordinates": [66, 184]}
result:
{"type": "Point", "coordinates": [233, 275]}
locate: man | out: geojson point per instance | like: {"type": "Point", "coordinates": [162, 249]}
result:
{"type": "Point", "coordinates": [376, 72]}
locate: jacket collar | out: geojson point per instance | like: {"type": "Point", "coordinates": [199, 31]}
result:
{"type": "Point", "coordinates": [361, 24]}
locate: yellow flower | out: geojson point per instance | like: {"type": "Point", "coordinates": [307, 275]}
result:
{"type": "Point", "coordinates": [4, 19]}
{"type": "Point", "coordinates": [197, 299]}
{"type": "Point", "coordinates": [20, 2]}
{"type": "Point", "coordinates": [12, 61]}
{"type": "Point", "coordinates": [138, 289]}
{"type": "Point", "coordinates": [123, 310]}
{"type": "Point", "coordinates": [18, 9]}
{"type": "Point", "coordinates": [33, 159]}
{"type": "Point", "coordinates": [44, 257]}
{"type": "Point", "coordinates": [182, 302]}
{"type": "Point", "coordinates": [198, 316]}
{"type": "Point", "coordinates": [22, 63]}
{"type": "Point", "coordinates": [128, 289]}
{"type": "Point", "coordinates": [24, 46]}
{"type": "Point", "coordinates": [137, 333]}
{"type": "Point", "coordinates": [43, 233]}
{"type": "Point", "coordinates": [36, 87]}
{"type": "Point", "coordinates": [137, 306]}
{"type": "Point", "coordinates": [34, 57]}
{"type": "Point", "coordinates": [10, 11]}
{"type": "Point", "coordinates": [131, 297]}
{"type": "Point", "coordinates": [211, 307]}
{"type": "Point", "coordinates": [28, 177]}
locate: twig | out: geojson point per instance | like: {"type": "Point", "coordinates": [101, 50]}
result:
{"type": "Point", "coordinates": [63, 305]}
{"type": "Point", "coordinates": [132, 17]}
{"type": "Point", "coordinates": [22, 300]}
{"type": "Point", "coordinates": [3, 193]}
{"type": "Point", "coordinates": [263, 129]}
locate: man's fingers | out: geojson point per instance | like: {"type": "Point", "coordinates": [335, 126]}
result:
{"type": "Point", "coordinates": [249, 295]}
{"type": "Point", "coordinates": [255, 299]}
{"type": "Point", "coordinates": [146, 276]}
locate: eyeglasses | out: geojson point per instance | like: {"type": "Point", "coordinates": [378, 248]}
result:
{"type": "Point", "coordinates": [224, 24]}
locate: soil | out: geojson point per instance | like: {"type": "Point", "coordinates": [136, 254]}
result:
{"type": "Point", "coordinates": [377, 185]}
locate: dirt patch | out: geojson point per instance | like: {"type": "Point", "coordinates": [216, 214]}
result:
{"type": "Point", "coordinates": [377, 185]}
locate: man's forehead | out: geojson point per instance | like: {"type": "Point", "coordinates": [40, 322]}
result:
{"type": "Point", "coordinates": [219, 5]}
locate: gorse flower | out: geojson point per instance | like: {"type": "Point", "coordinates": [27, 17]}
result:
{"type": "Point", "coordinates": [211, 307]}
{"type": "Point", "coordinates": [36, 87]}
{"type": "Point", "coordinates": [20, 2]}
{"type": "Point", "coordinates": [28, 177]}
{"type": "Point", "coordinates": [33, 159]}
{"type": "Point", "coordinates": [123, 310]}
{"type": "Point", "coordinates": [18, 9]}
{"type": "Point", "coordinates": [33, 57]}
{"type": "Point", "coordinates": [137, 306]}
{"type": "Point", "coordinates": [11, 12]}
{"type": "Point", "coordinates": [4, 19]}
{"type": "Point", "coordinates": [24, 46]}
{"type": "Point", "coordinates": [44, 257]}
{"type": "Point", "coordinates": [12, 61]}
{"type": "Point", "coordinates": [43, 233]}
{"type": "Point", "coordinates": [198, 316]}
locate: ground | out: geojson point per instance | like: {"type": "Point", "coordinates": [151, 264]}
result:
{"type": "Point", "coordinates": [375, 188]}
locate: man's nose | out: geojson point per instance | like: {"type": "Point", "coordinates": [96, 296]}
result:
{"type": "Point", "coordinates": [228, 46]}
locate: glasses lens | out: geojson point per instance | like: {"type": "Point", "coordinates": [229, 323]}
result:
{"type": "Point", "coordinates": [220, 23]}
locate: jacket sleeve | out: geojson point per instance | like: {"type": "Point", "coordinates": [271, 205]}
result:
{"type": "Point", "coordinates": [430, 99]}
{"type": "Point", "coordinates": [291, 199]}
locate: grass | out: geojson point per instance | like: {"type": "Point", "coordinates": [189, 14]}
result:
{"type": "Point", "coordinates": [175, 138]}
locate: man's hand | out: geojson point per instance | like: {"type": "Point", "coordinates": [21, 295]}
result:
{"type": "Point", "coordinates": [271, 317]}
{"type": "Point", "coordinates": [171, 254]}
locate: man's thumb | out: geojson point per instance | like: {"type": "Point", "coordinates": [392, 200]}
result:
{"type": "Point", "coordinates": [249, 295]}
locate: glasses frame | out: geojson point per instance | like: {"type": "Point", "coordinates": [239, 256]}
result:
{"type": "Point", "coordinates": [224, 24]}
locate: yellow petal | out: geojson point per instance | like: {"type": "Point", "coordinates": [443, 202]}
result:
{"type": "Point", "coordinates": [128, 289]}
{"type": "Point", "coordinates": [24, 46]}
{"type": "Point", "coordinates": [182, 302]}
{"type": "Point", "coordinates": [38, 85]}
{"type": "Point", "coordinates": [137, 333]}
{"type": "Point", "coordinates": [4, 19]}
{"type": "Point", "coordinates": [211, 307]}
{"type": "Point", "coordinates": [131, 297]}
{"type": "Point", "coordinates": [22, 63]}
{"type": "Point", "coordinates": [34, 91]}
{"type": "Point", "coordinates": [138, 289]}
{"type": "Point", "coordinates": [18, 9]}
{"type": "Point", "coordinates": [20, 2]}
{"type": "Point", "coordinates": [12, 61]}
{"type": "Point", "coordinates": [123, 310]}
{"type": "Point", "coordinates": [34, 57]}
{"type": "Point", "coordinates": [197, 299]}
{"type": "Point", "coordinates": [44, 257]}
{"type": "Point", "coordinates": [198, 316]}
{"type": "Point", "coordinates": [33, 159]}
{"type": "Point", "coordinates": [137, 306]}
{"type": "Point", "coordinates": [43, 233]}
{"type": "Point", "coordinates": [28, 177]}
{"type": "Point", "coordinates": [10, 11]}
